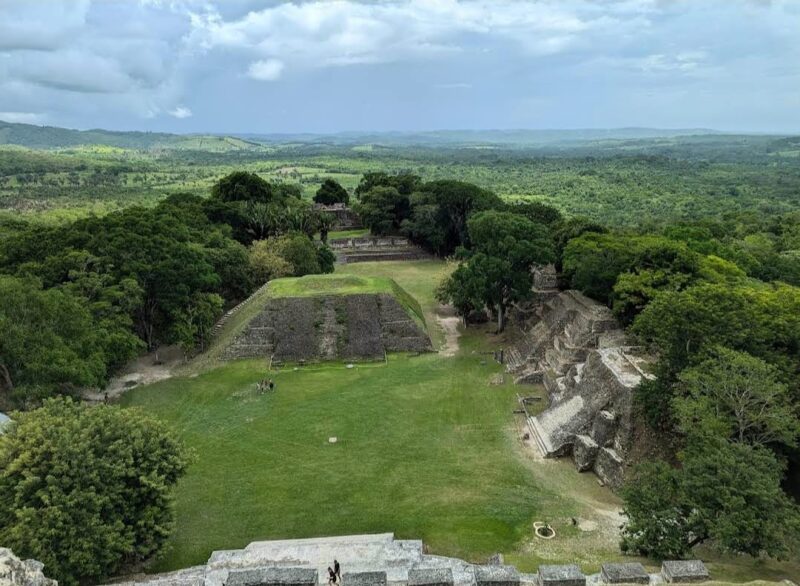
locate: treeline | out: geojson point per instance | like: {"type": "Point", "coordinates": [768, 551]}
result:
{"type": "Point", "coordinates": [79, 300]}
{"type": "Point", "coordinates": [716, 301]}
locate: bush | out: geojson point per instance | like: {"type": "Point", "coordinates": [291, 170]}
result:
{"type": "Point", "coordinates": [86, 489]}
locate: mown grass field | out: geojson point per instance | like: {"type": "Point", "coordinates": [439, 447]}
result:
{"type": "Point", "coordinates": [427, 447]}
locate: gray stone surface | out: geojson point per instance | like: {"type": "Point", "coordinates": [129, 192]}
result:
{"type": "Point", "coordinates": [329, 327]}
{"type": "Point", "coordinates": [17, 572]}
{"type": "Point", "coordinates": [273, 576]}
{"type": "Point", "coordinates": [575, 347]}
{"type": "Point", "coordinates": [565, 575]}
{"type": "Point", "coordinates": [604, 428]}
{"type": "Point", "coordinates": [364, 579]}
{"type": "Point", "coordinates": [624, 573]}
{"type": "Point", "coordinates": [496, 575]}
{"type": "Point", "coordinates": [610, 468]}
{"type": "Point", "coordinates": [430, 577]}
{"type": "Point", "coordinates": [684, 571]}
{"type": "Point", "coordinates": [584, 452]}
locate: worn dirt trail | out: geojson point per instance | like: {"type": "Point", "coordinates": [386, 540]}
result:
{"type": "Point", "coordinates": [146, 369]}
{"type": "Point", "coordinates": [449, 322]}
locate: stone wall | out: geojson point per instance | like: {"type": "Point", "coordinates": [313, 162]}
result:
{"type": "Point", "coordinates": [329, 327]}
{"type": "Point", "coordinates": [346, 218]}
{"type": "Point", "coordinates": [372, 560]}
{"type": "Point", "coordinates": [574, 346]}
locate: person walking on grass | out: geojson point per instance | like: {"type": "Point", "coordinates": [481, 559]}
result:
{"type": "Point", "coordinates": [271, 385]}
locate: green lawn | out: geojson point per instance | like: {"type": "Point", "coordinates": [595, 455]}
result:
{"type": "Point", "coordinates": [427, 448]}
{"type": "Point", "coordinates": [424, 449]}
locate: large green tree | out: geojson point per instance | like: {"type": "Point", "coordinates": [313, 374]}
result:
{"type": "Point", "coordinates": [497, 270]}
{"type": "Point", "coordinates": [87, 489]}
{"type": "Point", "coordinates": [383, 209]}
{"type": "Point", "coordinates": [440, 211]}
{"type": "Point", "coordinates": [728, 494]}
{"type": "Point", "coordinates": [739, 397]}
{"type": "Point", "coordinates": [331, 192]}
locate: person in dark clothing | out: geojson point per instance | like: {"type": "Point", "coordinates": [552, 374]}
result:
{"type": "Point", "coordinates": [271, 385]}
{"type": "Point", "coordinates": [331, 576]}
{"type": "Point", "coordinates": [337, 570]}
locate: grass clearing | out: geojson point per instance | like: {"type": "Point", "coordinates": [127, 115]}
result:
{"type": "Point", "coordinates": [427, 448]}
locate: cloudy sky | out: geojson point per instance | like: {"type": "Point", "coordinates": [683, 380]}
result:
{"type": "Point", "coordinates": [333, 65]}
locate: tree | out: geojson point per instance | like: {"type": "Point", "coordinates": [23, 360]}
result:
{"type": "Point", "coordinates": [383, 210]}
{"type": "Point", "coordinates": [242, 186]}
{"type": "Point", "coordinates": [405, 183]}
{"type": "Point", "coordinates": [331, 192]}
{"type": "Point", "coordinates": [659, 518]}
{"type": "Point", "coordinates": [497, 271]}
{"type": "Point", "coordinates": [266, 263]}
{"type": "Point", "coordinates": [325, 222]}
{"type": "Point", "coordinates": [726, 493]}
{"type": "Point", "coordinates": [535, 211]}
{"type": "Point", "coordinates": [49, 343]}
{"type": "Point", "coordinates": [440, 210]}
{"type": "Point", "coordinates": [738, 396]}
{"type": "Point", "coordinates": [86, 489]}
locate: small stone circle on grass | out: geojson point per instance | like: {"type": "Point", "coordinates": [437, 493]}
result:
{"type": "Point", "coordinates": [543, 530]}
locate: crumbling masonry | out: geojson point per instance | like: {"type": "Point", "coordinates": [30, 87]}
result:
{"type": "Point", "coordinates": [574, 346]}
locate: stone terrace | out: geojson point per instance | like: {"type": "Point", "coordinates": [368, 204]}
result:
{"type": "Point", "coordinates": [381, 559]}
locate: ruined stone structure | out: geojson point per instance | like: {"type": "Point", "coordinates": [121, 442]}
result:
{"type": "Point", "coordinates": [574, 346]}
{"type": "Point", "coordinates": [381, 560]}
{"type": "Point", "coordinates": [17, 572]}
{"type": "Point", "coordinates": [329, 327]}
{"type": "Point", "coordinates": [374, 248]}
{"type": "Point", "coordinates": [346, 218]}
{"type": "Point", "coordinates": [366, 560]}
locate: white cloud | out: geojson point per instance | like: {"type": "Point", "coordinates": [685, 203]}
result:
{"type": "Point", "coordinates": [22, 117]}
{"type": "Point", "coordinates": [266, 70]}
{"type": "Point", "coordinates": [180, 112]}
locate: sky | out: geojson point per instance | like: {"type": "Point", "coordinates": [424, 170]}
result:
{"type": "Point", "coordinates": [247, 66]}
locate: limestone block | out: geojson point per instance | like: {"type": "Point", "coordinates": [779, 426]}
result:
{"type": "Point", "coordinates": [684, 571]}
{"type": "Point", "coordinates": [17, 572]}
{"type": "Point", "coordinates": [430, 577]}
{"type": "Point", "coordinates": [610, 468]}
{"type": "Point", "coordinates": [584, 452]}
{"type": "Point", "coordinates": [364, 579]}
{"type": "Point", "coordinates": [566, 575]}
{"type": "Point", "coordinates": [603, 428]}
{"type": "Point", "coordinates": [273, 576]}
{"type": "Point", "coordinates": [626, 573]}
{"type": "Point", "coordinates": [496, 576]}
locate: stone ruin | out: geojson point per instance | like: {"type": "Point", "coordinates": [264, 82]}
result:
{"type": "Point", "coordinates": [577, 350]}
{"type": "Point", "coordinates": [366, 560]}
{"type": "Point", "coordinates": [329, 327]}
{"type": "Point", "coordinates": [346, 218]}
{"type": "Point", "coordinates": [381, 560]}
{"type": "Point", "coordinates": [17, 572]}
{"type": "Point", "coordinates": [375, 248]}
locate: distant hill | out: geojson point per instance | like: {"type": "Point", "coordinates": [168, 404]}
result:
{"type": "Point", "coordinates": [519, 137]}
{"type": "Point", "coordinates": [49, 137]}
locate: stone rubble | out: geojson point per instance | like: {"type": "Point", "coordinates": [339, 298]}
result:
{"type": "Point", "coordinates": [576, 349]}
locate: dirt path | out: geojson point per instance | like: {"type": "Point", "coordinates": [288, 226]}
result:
{"type": "Point", "coordinates": [449, 322]}
{"type": "Point", "coordinates": [146, 369]}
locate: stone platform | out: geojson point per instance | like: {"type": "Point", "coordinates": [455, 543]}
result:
{"type": "Point", "coordinates": [382, 560]}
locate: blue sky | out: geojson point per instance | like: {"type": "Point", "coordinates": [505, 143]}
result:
{"type": "Point", "coordinates": [334, 65]}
